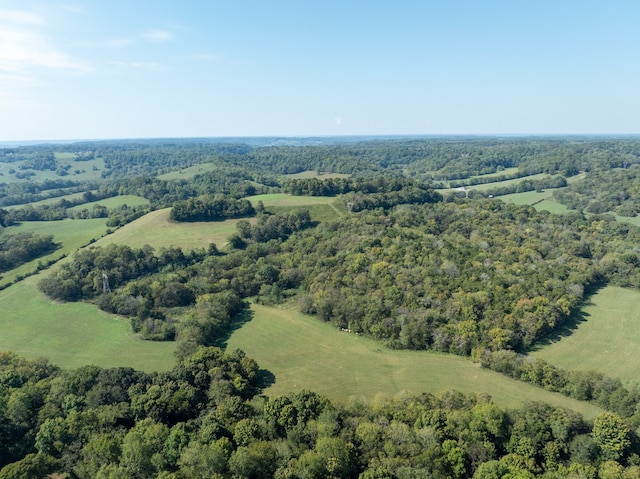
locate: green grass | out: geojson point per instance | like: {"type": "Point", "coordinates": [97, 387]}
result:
{"type": "Point", "coordinates": [551, 206]}
{"type": "Point", "coordinates": [304, 353]}
{"type": "Point", "coordinates": [282, 199]}
{"type": "Point", "coordinates": [321, 208]}
{"type": "Point", "coordinates": [605, 338]}
{"type": "Point", "coordinates": [72, 234]}
{"type": "Point", "coordinates": [188, 173]}
{"type": "Point", "coordinates": [157, 230]}
{"type": "Point", "coordinates": [114, 202]}
{"type": "Point", "coordinates": [626, 219]}
{"type": "Point", "coordinates": [542, 200]}
{"type": "Point", "coordinates": [314, 174]}
{"type": "Point", "coordinates": [48, 201]}
{"type": "Point", "coordinates": [526, 198]}
{"type": "Point", "coordinates": [85, 168]}
{"type": "Point", "coordinates": [73, 334]}
{"type": "Point", "coordinates": [497, 184]}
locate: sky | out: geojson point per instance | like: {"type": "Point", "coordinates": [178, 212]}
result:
{"type": "Point", "coordinates": [151, 69]}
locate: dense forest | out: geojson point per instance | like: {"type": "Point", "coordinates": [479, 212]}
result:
{"type": "Point", "coordinates": [457, 272]}
{"type": "Point", "coordinates": [206, 418]}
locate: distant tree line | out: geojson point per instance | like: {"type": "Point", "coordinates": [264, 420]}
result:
{"type": "Point", "coordinates": [16, 249]}
{"type": "Point", "coordinates": [18, 193]}
{"type": "Point", "coordinates": [605, 190]}
{"type": "Point", "coordinates": [522, 186]}
{"type": "Point", "coordinates": [607, 392]}
{"type": "Point", "coordinates": [211, 208]}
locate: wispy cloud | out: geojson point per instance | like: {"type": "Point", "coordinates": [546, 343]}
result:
{"type": "Point", "coordinates": [118, 42]}
{"type": "Point", "coordinates": [24, 45]}
{"type": "Point", "coordinates": [148, 66]}
{"type": "Point", "coordinates": [157, 36]}
{"type": "Point", "coordinates": [209, 57]}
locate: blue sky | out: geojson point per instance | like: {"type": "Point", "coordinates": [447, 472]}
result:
{"type": "Point", "coordinates": [132, 69]}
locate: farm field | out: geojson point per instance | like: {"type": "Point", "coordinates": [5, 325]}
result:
{"type": "Point", "coordinates": [541, 201]}
{"type": "Point", "coordinates": [283, 199]}
{"type": "Point", "coordinates": [189, 172]}
{"type": "Point", "coordinates": [72, 234]}
{"type": "Point", "coordinates": [551, 206]}
{"type": "Point", "coordinates": [157, 230]}
{"type": "Point", "coordinates": [78, 171]}
{"type": "Point", "coordinates": [314, 174]}
{"type": "Point", "coordinates": [114, 202]}
{"type": "Point", "coordinates": [304, 353]}
{"type": "Point", "coordinates": [48, 201]}
{"type": "Point", "coordinates": [73, 334]}
{"type": "Point", "coordinates": [321, 208]}
{"type": "Point", "coordinates": [605, 339]}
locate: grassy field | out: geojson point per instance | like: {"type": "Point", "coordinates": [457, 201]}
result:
{"type": "Point", "coordinates": [551, 206]}
{"type": "Point", "coordinates": [315, 174]}
{"type": "Point", "coordinates": [157, 230]}
{"type": "Point", "coordinates": [282, 199]}
{"type": "Point", "coordinates": [73, 334]}
{"type": "Point", "coordinates": [49, 201]}
{"type": "Point", "coordinates": [114, 202]}
{"type": "Point", "coordinates": [78, 170]}
{"type": "Point", "coordinates": [188, 173]}
{"type": "Point", "coordinates": [72, 234]}
{"type": "Point", "coordinates": [304, 353]}
{"type": "Point", "coordinates": [542, 200]}
{"type": "Point", "coordinates": [605, 338]}
{"type": "Point", "coordinates": [321, 208]}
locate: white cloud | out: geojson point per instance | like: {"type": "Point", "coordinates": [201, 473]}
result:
{"type": "Point", "coordinates": [23, 45]}
{"type": "Point", "coordinates": [20, 17]}
{"type": "Point", "coordinates": [337, 120]}
{"type": "Point", "coordinates": [157, 36]}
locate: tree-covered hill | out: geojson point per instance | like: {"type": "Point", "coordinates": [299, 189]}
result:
{"type": "Point", "coordinates": [205, 418]}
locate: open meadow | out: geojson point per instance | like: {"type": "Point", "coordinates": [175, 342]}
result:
{"type": "Point", "coordinates": [605, 337]}
{"type": "Point", "coordinates": [315, 174]}
{"type": "Point", "coordinates": [73, 334]}
{"type": "Point", "coordinates": [76, 170]}
{"type": "Point", "coordinates": [114, 202]}
{"type": "Point", "coordinates": [321, 208]}
{"type": "Point", "coordinates": [305, 353]}
{"type": "Point", "coordinates": [71, 234]}
{"type": "Point", "coordinates": [189, 172]}
{"type": "Point", "coordinates": [157, 230]}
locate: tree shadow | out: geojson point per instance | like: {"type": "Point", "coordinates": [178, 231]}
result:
{"type": "Point", "coordinates": [240, 320]}
{"type": "Point", "coordinates": [572, 323]}
{"type": "Point", "coordinates": [265, 378]}
{"type": "Point", "coordinates": [565, 329]}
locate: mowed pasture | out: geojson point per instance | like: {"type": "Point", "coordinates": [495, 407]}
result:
{"type": "Point", "coordinates": [305, 353]}
{"type": "Point", "coordinates": [283, 199]}
{"type": "Point", "coordinates": [90, 170]}
{"type": "Point", "coordinates": [158, 230]}
{"type": "Point", "coordinates": [321, 208]}
{"type": "Point", "coordinates": [303, 175]}
{"type": "Point", "coordinates": [114, 202]}
{"type": "Point", "coordinates": [605, 337]}
{"type": "Point", "coordinates": [189, 172]}
{"type": "Point", "coordinates": [71, 234]}
{"type": "Point", "coordinates": [48, 201]}
{"type": "Point", "coordinates": [73, 334]}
